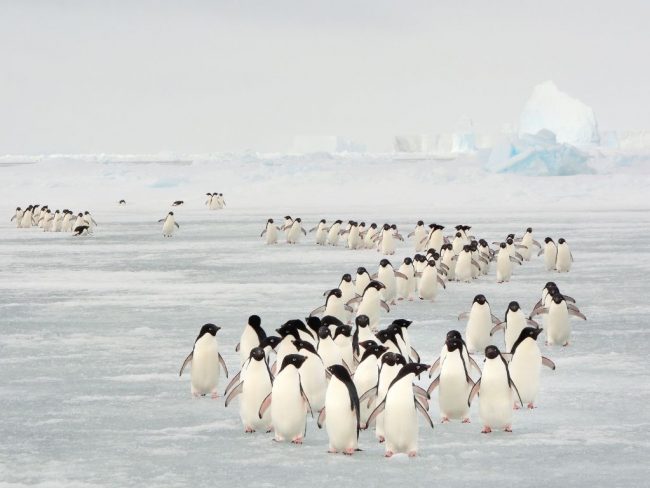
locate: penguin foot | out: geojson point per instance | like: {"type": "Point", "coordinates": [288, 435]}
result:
{"type": "Point", "coordinates": [444, 420]}
{"type": "Point", "coordinates": [413, 454]}
{"type": "Point", "coordinates": [531, 405]}
{"type": "Point", "coordinates": [381, 439]}
{"type": "Point", "coordinates": [214, 395]}
{"type": "Point", "coordinates": [466, 421]}
{"type": "Point", "coordinates": [508, 428]}
{"type": "Point", "coordinates": [349, 451]}
{"type": "Point", "coordinates": [249, 430]}
{"type": "Point", "coordinates": [486, 430]}
{"type": "Point", "coordinates": [332, 451]}
{"type": "Point", "coordinates": [297, 440]}
{"type": "Point", "coordinates": [515, 406]}
{"type": "Point", "coordinates": [388, 454]}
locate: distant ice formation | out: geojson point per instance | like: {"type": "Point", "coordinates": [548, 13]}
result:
{"type": "Point", "coordinates": [310, 144]}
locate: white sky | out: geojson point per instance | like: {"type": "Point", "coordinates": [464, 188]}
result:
{"type": "Point", "coordinates": [209, 76]}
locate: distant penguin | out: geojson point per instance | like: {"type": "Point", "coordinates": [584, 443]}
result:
{"type": "Point", "coordinates": [341, 412]}
{"type": "Point", "coordinates": [288, 222]}
{"type": "Point", "coordinates": [435, 239]}
{"type": "Point", "coordinates": [429, 282]}
{"type": "Point", "coordinates": [177, 203]}
{"type": "Point", "coordinates": [525, 365]}
{"type": "Point", "coordinates": [366, 377]}
{"type": "Point", "coordinates": [81, 230]}
{"type": "Point", "coordinates": [386, 275]}
{"type": "Point", "coordinates": [347, 288]}
{"type": "Point", "coordinates": [454, 384]}
{"type": "Point", "coordinates": [122, 203]}
{"type": "Point", "coordinates": [68, 220]}
{"type": "Point", "coordinates": [564, 257]}
{"type": "Point", "coordinates": [558, 330]}
{"type": "Point", "coordinates": [17, 216]}
{"type": "Point", "coordinates": [78, 221]}
{"type": "Point", "coordinates": [387, 241]}
{"type": "Point", "coordinates": [486, 253]}
{"type": "Point", "coordinates": [406, 282]}
{"type": "Point", "coordinates": [255, 385]}
{"type": "Point", "coordinates": [479, 324]}
{"type": "Point", "coordinates": [55, 225]}
{"type": "Point", "coordinates": [465, 265]}
{"type": "Point", "coordinates": [334, 233]}
{"type": "Point", "coordinates": [370, 303]}
{"type": "Point", "coordinates": [221, 202]}
{"type": "Point", "coordinates": [312, 374]}
{"type": "Point", "coordinates": [251, 337]}
{"type": "Point", "coordinates": [369, 237]}
{"type": "Point", "coordinates": [513, 323]}
{"type": "Point", "coordinates": [447, 259]}
{"type": "Point", "coordinates": [504, 263]}
{"type": "Point", "coordinates": [288, 402]}
{"type": "Point", "coordinates": [400, 412]}
{"type": "Point", "coordinates": [361, 281]}
{"type": "Point", "coordinates": [497, 392]}
{"type": "Point", "coordinates": [321, 232]}
{"type": "Point", "coordinates": [206, 362]}
{"type": "Point", "coordinates": [293, 235]}
{"type": "Point", "coordinates": [334, 306]}
{"type": "Point", "coordinates": [169, 224]}
{"type": "Point", "coordinates": [419, 235]}
{"type": "Point", "coordinates": [271, 231]}
{"type": "Point", "coordinates": [343, 338]}
{"type": "Point", "coordinates": [528, 242]}
{"type": "Point", "coordinates": [550, 254]}
{"type": "Point", "coordinates": [328, 350]}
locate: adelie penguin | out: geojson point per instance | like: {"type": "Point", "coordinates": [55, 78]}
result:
{"type": "Point", "coordinates": [334, 233]}
{"type": "Point", "coordinates": [558, 330]}
{"type": "Point", "coordinates": [271, 231]}
{"type": "Point", "coordinates": [406, 282]}
{"type": "Point", "coordinates": [251, 337]}
{"type": "Point", "coordinates": [386, 274]}
{"type": "Point", "coordinates": [419, 235]}
{"type": "Point", "coordinates": [294, 231]}
{"type": "Point", "coordinates": [206, 362]}
{"type": "Point", "coordinates": [550, 253]}
{"type": "Point", "coordinates": [168, 225]}
{"type": "Point", "coordinates": [504, 263]}
{"type": "Point", "coordinates": [313, 375]}
{"type": "Point", "coordinates": [513, 323]}
{"type": "Point", "coordinates": [528, 242]}
{"type": "Point", "coordinates": [341, 413]}
{"type": "Point", "coordinates": [321, 232]}
{"type": "Point", "coordinates": [177, 203]}
{"type": "Point", "coordinates": [334, 306]}
{"type": "Point", "coordinates": [497, 392]}
{"type": "Point", "coordinates": [288, 402]}
{"type": "Point", "coordinates": [366, 375]}
{"type": "Point", "coordinates": [370, 303]}
{"type": "Point", "coordinates": [479, 324]}
{"type": "Point", "coordinates": [564, 257]}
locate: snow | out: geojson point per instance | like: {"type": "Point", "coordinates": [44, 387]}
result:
{"type": "Point", "coordinates": [94, 330]}
{"type": "Point", "coordinates": [568, 118]}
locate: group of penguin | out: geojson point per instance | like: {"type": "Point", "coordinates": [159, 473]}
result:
{"type": "Point", "coordinates": [215, 201]}
{"type": "Point", "coordinates": [54, 221]}
{"type": "Point", "coordinates": [352, 378]}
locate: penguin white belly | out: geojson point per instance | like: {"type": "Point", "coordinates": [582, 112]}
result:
{"type": "Point", "coordinates": [341, 420]}
{"type": "Point", "coordinates": [387, 276]}
{"type": "Point", "coordinates": [330, 353]}
{"type": "Point", "coordinates": [347, 291]}
{"type": "Point", "coordinates": [464, 267]}
{"type": "Point", "coordinates": [387, 375]}
{"type": "Point", "coordinates": [333, 235]}
{"type": "Point", "coordinates": [321, 236]}
{"type": "Point", "coordinates": [168, 228]}
{"type": "Point", "coordinates": [477, 332]}
{"type": "Point", "coordinates": [336, 308]}
{"type": "Point", "coordinates": [26, 220]}
{"type": "Point", "coordinates": [558, 330]}
{"type": "Point", "coordinates": [400, 420]}
{"type": "Point", "coordinates": [453, 389]}
{"type": "Point", "coordinates": [370, 306]}
{"type": "Point", "coordinates": [563, 259]}
{"type": "Point", "coordinates": [368, 240]}
{"type": "Point", "coordinates": [365, 377]}
{"type": "Point", "coordinates": [248, 341]}
{"type": "Point", "coordinates": [496, 399]}
{"type": "Point", "coordinates": [515, 324]}
{"type": "Point", "coordinates": [257, 386]}
{"type": "Point", "coordinates": [345, 347]}
{"type": "Point", "coordinates": [387, 244]}
{"type": "Point", "coordinates": [436, 241]}
{"type": "Point", "coordinates": [550, 254]}
{"type": "Point", "coordinates": [525, 369]}
{"type": "Point", "coordinates": [451, 265]}
{"type": "Point", "coordinates": [419, 236]}
{"type": "Point", "coordinates": [284, 348]}
{"type": "Point", "coordinates": [361, 283]}
{"type": "Point", "coordinates": [526, 251]}
{"type": "Point", "coordinates": [288, 410]}
{"type": "Point", "coordinates": [353, 238]}
{"type": "Point", "coordinates": [294, 234]}
{"type": "Point", "coordinates": [271, 234]}
{"type": "Point", "coordinates": [504, 266]}
{"type": "Point", "coordinates": [205, 366]}
{"type": "Point", "coordinates": [314, 381]}
{"type": "Point", "coordinates": [428, 287]}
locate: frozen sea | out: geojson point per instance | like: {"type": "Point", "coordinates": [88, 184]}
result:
{"type": "Point", "coordinates": [93, 332]}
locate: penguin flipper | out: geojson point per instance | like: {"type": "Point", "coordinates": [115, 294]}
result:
{"type": "Point", "coordinates": [568, 298]}
{"type": "Point", "coordinates": [514, 260]}
{"type": "Point", "coordinates": [539, 303]}
{"type": "Point", "coordinates": [385, 306]}
{"type": "Point", "coordinates": [483, 260]}
{"type": "Point", "coordinates": [161, 220]}
{"type": "Point", "coordinates": [187, 361]}
{"type": "Point", "coordinates": [537, 243]}
{"type": "Point", "coordinates": [415, 355]}
{"type": "Point", "coordinates": [473, 364]}
{"type": "Point", "coordinates": [548, 363]}
{"type": "Point", "coordinates": [538, 311]}
{"type": "Point", "coordinates": [370, 395]}
{"type": "Point", "coordinates": [316, 311]}
{"type": "Point", "coordinates": [495, 319]}
{"type": "Point", "coordinates": [421, 392]}
{"type": "Point", "coordinates": [434, 384]}
{"type": "Point", "coordinates": [571, 256]}
{"type": "Point", "coordinates": [444, 266]}
{"type": "Point", "coordinates": [512, 385]}
{"type": "Point", "coordinates": [303, 231]}
{"type": "Point", "coordinates": [541, 251]}
{"type": "Point", "coordinates": [442, 282]}
{"type": "Point", "coordinates": [266, 403]}
{"type": "Point", "coordinates": [375, 413]}
{"type": "Point", "coordinates": [237, 347]}
{"type": "Point", "coordinates": [177, 226]}
{"type": "Point", "coordinates": [400, 275]}
{"type": "Point", "coordinates": [433, 367]}
{"type": "Point", "coordinates": [576, 313]}
{"type": "Point", "coordinates": [463, 316]}
{"type": "Point", "coordinates": [356, 299]}
{"type": "Point", "coordinates": [263, 232]}
{"type": "Point", "coordinates": [532, 323]}
{"type": "Point", "coordinates": [223, 364]}
{"type": "Point", "coordinates": [474, 392]}
{"type": "Point", "coordinates": [497, 327]}
{"type": "Point", "coordinates": [423, 411]}
{"type": "Point", "coordinates": [235, 391]}
{"type": "Point", "coordinates": [232, 383]}
{"type": "Point", "coordinates": [345, 365]}
{"type": "Point", "coordinates": [475, 264]}
{"type": "Point", "coordinates": [321, 418]}
{"type": "Point", "coordinates": [348, 308]}
{"type": "Point", "coordinates": [304, 397]}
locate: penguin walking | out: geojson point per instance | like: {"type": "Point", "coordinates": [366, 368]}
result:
{"type": "Point", "coordinates": [550, 254]}
{"type": "Point", "coordinates": [386, 241]}
{"type": "Point", "coordinates": [430, 281]}
{"type": "Point", "coordinates": [525, 366]}
{"type": "Point", "coordinates": [465, 265]}
{"type": "Point", "coordinates": [169, 224]}
{"type": "Point", "coordinates": [386, 274]}
{"type": "Point", "coordinates": [496, 390]}
{"type": "Point", "coordinates": [347, 288]}
{"type": "Point", "coordinates": [479, 324]}
{"type": "Point", "coordinates": [354, 239]}
{"type": "Point", "coordinates": [369, 236]}
{"type": "Point", "coordinates": [343, 338]}
{"type": "Point", "coordinates": [406, 284]}
{"type": "Point", "coordinates": [334, 306]}
{"type": "Point", "coordinates": [342, 408]}
{"type": "Point", "coordinates": [90, 222]}
{"type": "Point", "coordinates": [435, 240]}
{"type": "Point", "coordinates": [312, 374]}
{"type": "Point", "coordinates": [469, 361]}
{"type": "Point", "coordinates": [333, 233]}
{"type": "Point", "coordinates": [514, 322]}
{"type": "Point", "coordinates": [255, 385]}
{"type": "Point", "coordinates": [504, 263]}
{"type": "Point", "coordinates": [271, 231]}
{"type": "Point", "coordinates": [206, 362]}
{"type": "Point", "coordinates": [328, 350]}
{"type": "Point", "coordinates": [366, 376]}
{"type": "Point", "coordinates": [362, 280]}
{"type": "Point", "coordinates": [288, 402]}
{"type": "Point", "coordinates": [557, 320]}
{"type": "Point", "coordinates": [564, 258]}
{"type": "Point", "coordinates": [400, 408]}
{"type": "Point", "coordinates": [26, 220]}
{"type": "Point", "coordinates": [321, 232]}
{"type": "Point", "coordinates": [528, 242]}
{"type": "Point", "coordinates": [251, 337]}
{"type": "Point", "coordinates": [419, 235]}
{"type": "Point", "coordinates": [17, 216]}
{"type": "Point", "coordinates": [447, 259]}
{"type": "Point", "coordinates": [454, 383]}
{"type": "Point", "coordinates": [370, 303]}
{"type": "Point", "coordinates": [293, 233]}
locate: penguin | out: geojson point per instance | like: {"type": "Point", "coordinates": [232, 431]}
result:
{"type": "Point", "coordinates": [369, 237]}
{"type": "Point", "coordinates": [419, 235]}
{"type": "Point", "coordinates": [288, 222]}
{"type": "Point", "coordinates": [206, 362]}
{"type": "Point", "coordinates": [496, 390]}
{"type": "Point", "coordinates": [361, 281]}
{"type": "Point", "coordinates": [564, 257]}
{"type": "Point", "coordinates": [403, 326]}
{"type": "Point", "coordinates": [370, 303]}
{"type": "Point", "coordinates": [55, 226]}
{"type": "Point", "coordinates": [386, 275]}
{"type": "Point", "coordinates": [558, 330]}
{"type": "Point", "coordinates": [334, 306]}
{"type": "Point", "coordinates": [343, 409]}
{"type": "Point", "coordinates": [321, 232]}
{"type": "Point", "coordinates": [169, 224]}
{"type": "Point", "coordinates": [435, 239]}
{"type": "Point", "coordinates": [208, 202]}
{"type": "Point", "coordinates": [289, 332]}
{"type": "Point", "coordinates": [122, 203]}
{"type": "Point", "coordinates": [400, 412]}
{"type": "Point", "coordinates": [331, 322]}
{"type": "Point", "coordinates": [17, 216]}
{"type": "Point", "coordinates": [328, 350]}
{"type": "Point", "coordinates": [251, 337]}
{"type": "Point", "coordinates": [221, 202]}
{"type": "Point", "coordinates": [89, 220]}
{"type": "Point", "coordinates": [389, 338]}
{"type": "Point", "coordinates": [366, 377]}
{"type": "Point", "coordinates": [26, 220]}
{"type": "Point", "coordinates": [504, 263]}
{"type": "Point", "coordinates": [177, 203]}
{"type": "Point", "coordinates": [429, 282]}
{"type": "Point", "coordinates": [343, 339]}
{"type": "Point", "coordinates": [458, 243]}
{"type": "Point", "coordinates": [66, 225]}
{"type": "Point", "coordinates": [550, 254]}
{"type": "Point", "coordinates": [465, 265]}
{"type": "Point", "coordinates": [447, 259]}
{"type": "Point", "coordinates": [313, 376]}
{"type": "Point", "coordinates": [526, 361]}
{"type": "Point", "coordinates": [487, 254]}
{"type": "Point", "coordinates": [81, 230]}
{"type": "Point", "coordinates": [362, 333]}
{"type": "Point", "coordinates": [513, 323]}
{"type": "Point", "coordinates": [512, 248]}
{"type": "Point", "coordinates": [79, 220]}
{"type": "Point", "coordinates": [479, 324]}
{"type": "Point", "coordinates": [420, 262]}
{"type": "Point", "coordinates": [453, 383]}
{"type": "Point", "coordinates": [293, 235]}
{"type": "Point", "coordinates": [44, 221]}
{"type": "Point", "coordinates": [288, 402]}
{"type": "Point", "coordinates": [406, 284]}
{"type": "Point", "coordinates": [271, 231]}
{"type": "Point", "coordinates": [255, 385]}
{"type": "Point", "coordinates": [469, 360]}
{"type": "Point", "coordinates": [347, 288]}
{"type": "Point", "coordinates": [334, 233]}
{"type": "Point", "coordinates": [528, 242]}
{"type": "Point", "coordinates": [386, 241]}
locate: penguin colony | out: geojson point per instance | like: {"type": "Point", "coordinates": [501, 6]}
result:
{"type": "Point", "coordinates": [54, 221]}
{"type": "Point", "coordinates": [340, 367]}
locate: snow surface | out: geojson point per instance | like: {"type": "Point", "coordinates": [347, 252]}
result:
{"type": "Point", "coordinates": [94, 330]}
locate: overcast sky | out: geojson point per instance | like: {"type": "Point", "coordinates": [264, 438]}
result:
{"type": "Point", "coordinates": [208, 76]}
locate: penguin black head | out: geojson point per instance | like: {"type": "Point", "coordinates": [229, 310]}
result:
{"type": "Point", "coordinates": [314, 323]}
{"type": "Point", "coordinates": [270, 341]}
{"type": "Point", "coordinates": [368, 343]}
{"type": "Point", "coordinates": [298, 220]}
{"type": "Point", "coordinates": [362, 321]}
{"type": "Point", "coordinates": [458, 234]}
{"type": "Point", "coordinates": [362, 224]}
{"type": "Point", "coordinates": [344, 330]}
{"type": "Point", "coordinates": [509, 241]}
{"type": "Point", "coordinates": [510, 236]}
{"type": "Point", "coordinates": [295, 360]}
{"type": "Point", "coordinates": [432, 226]}
{"type": "Point", "coordinates": [492, 352]}
{"type": "Point", "coordinates": [453, 344]}
{"type": "Point", "coordinates": [388, 359]}
{"type": "Point", "coordinates": [257, 353]}
{"type": "Point", "coordinates": [17, 209]}
{"type": "Point", "coordinates": [308, 346]}
{"type": "Point", "coordinates": [254, 321]}
{"type": "Point", "coordinates": [270, 221]}
{"type": "Point", "coordinates": [330, 320]}
{"type": "Point", "coordinates": [220, 194]}
{"type": "Point", "coordinates": [458, 227]}
{"type": "Point", "coordinates": [386, 227]}
{"type": "Point", "coordinates": [338, 222]}
{"type": "Point", "coordinates": [561, 240]}
{"type": "Point", "coordinates": [324, 332]}
{"type": "Point", "coordinates": [473, 246]}
{"type": "Point", "coordinates": [346, 277]}
{"type": "Point", "coordinates": [208, 194]}
{"type": "Point", "coordinates": [513, 306]}
{"type": "Point", "coordinates": [480, 299]}
{"type": "Point", "coordinates": [547, 240]}
{"type": "Point", "coordinates": [323, 221]}
{"type": "Point", "coordinates": [384, 262]}
{"type": "Point", "coordinates": [376, 285]}
{"type": "Point", "coordinates": [467, 248]}
{"type": "Point", "coordinates": [288, 329]}
{"type": "Point", "coordinates": [483, 242]}
{"type": "Point", "coordinates": [385, 335]}
{"type": "Point", "coordinates": [170, 213]}
{"type": "Point", "coordinates": [408, 260]}
{"type": "Point", "coordinates": [340, 372]}
{"type": "Point", "coordinates": [81, 215]}
{"type": "Point", "coordinates": [287, 217]}
{"type": "Point", "coordinates": [361, 270]}
{"type": "Point", "coordinates": [209, 329]}
{"type": "Point", "coordinates": [394, 227]}
{"type": "Point", "coordinates": [336, 292]}
{"type": "Point", "coordinates": [420, 222]}
{"type": "Point", "coordinates": [373, 350]}
{"type": "Point", "coordinates": [454, 334]}
{"type": "Point", "coordinates": [402, 323]}
{"type": "Point", "coordinates": [526, 332]}
{"type": "Point", "coordinates": [432, 263]}
{"type": "Point", "coordinates": [558, 298]}
{"type": "Point", "coordinates": [550, 284]}
{"type": "Point", "coordinates": [413, 368]}
{"type": "Point", "coordinates": [373, 226]}
{"type": "Point", "coordinates": [467, 227]}
{"type": "Point", "coordinates": [529, 230]}
{"type": "Point", "coordinates": [502, 245]}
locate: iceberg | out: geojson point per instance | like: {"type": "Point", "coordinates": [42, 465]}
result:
{"type": "Point", "coordinates": [569, 119]}
{"type": "Point", "coordinates": [310, 144]}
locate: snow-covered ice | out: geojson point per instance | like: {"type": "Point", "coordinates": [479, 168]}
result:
{"type": "Point", "coordinates": [94, 330]}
